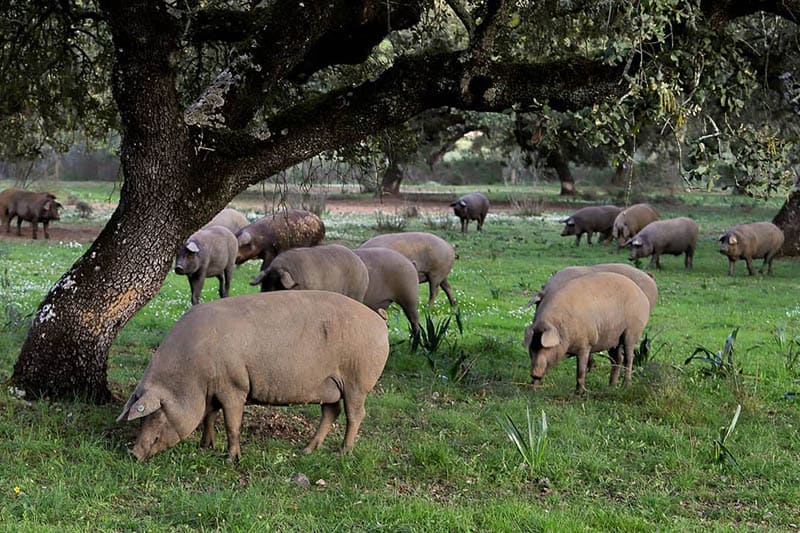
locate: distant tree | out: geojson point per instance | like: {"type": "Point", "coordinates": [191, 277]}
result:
{"type": "Point", "coordinates": [211, 97]}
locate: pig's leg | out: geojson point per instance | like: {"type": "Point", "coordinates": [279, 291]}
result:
{"type": "Point", "coordinates": [221, 278]}
{"type": "Point", "coordinates": [44, 225]}
{"type": "Point", "coordinates": [730, 267]}
{"type": "Point", "coordinates": [233, 409]}
{"type": "Point", "coordinates": [630, 344]}
{"type": "Point", "coordinates": [616, 364]}
{"type": "Point", "coordinates": [448, 291]}
{"type": "Point", "coordinates": [689, 261]}
{"type": "Point", "coordinates": [583, 361]}
{"type": "Point", "coordinates": [208, 428]}
{"type": "Point", "coordinates": [228, 276]}
{"type": "Point", "coordinates": [749, 262]}
{"type": "Point", "coordinates": [589, 237]}
{"type": "Point", "coordinates": [354, 410]}
{"type": "Point", "coordinates": [330, 412]}
{"type": "Point", "coordinates": [196, 283]}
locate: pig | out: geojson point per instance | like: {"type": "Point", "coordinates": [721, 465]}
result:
{"type": "Point", "coordinates": [210, 251]}
{"type": "Point", "coordinates": [33, 207]}
{"type": "Point", "coordinates": [229, 218]}
{"type": "Point", "coordinates": [278, 348]}
{"type": "Point", "coordinates": [591, 313]}
{"type": "Point", "coordinates": [751, 241]}
{"type": "Point", "coordinates": [432, 255]}
{"type": "Point", "coordinates": [392, 278]}
{"type": "Point", "coordinates": [599, 218]}
{"type": "Point", "coordinates": [472, 206]}
{"type": "Point", "coordinates": [327, 267]}
{"type": "Point", "coordinates": [645, 282]}
{"type": "Point", "coordinates": [673, 236]}
{"type": "Point", "coordinates": [630, 221]}
{"type": "Point", "coordinates": [272, 234]}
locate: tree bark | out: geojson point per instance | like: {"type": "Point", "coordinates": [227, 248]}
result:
{"type": "Point", "coordinates": [557, 161]}
{"type": "Point", "coordinates": [788, 219]}
{"type": "Point", "coordinates": [392, 177]}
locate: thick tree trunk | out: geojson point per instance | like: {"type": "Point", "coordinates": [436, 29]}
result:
{"type": "Point", "coordinates": [392, 177]}
{"type": "Point", "coordinates": [557, 161]}
{"type": "Point", "coordinates": [788, 219]}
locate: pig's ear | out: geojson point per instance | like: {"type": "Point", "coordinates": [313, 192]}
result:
{"type": "Point", "coordinates": [192, 247]}
{"type": "Point", "coordinates": [244, 238]}
{"type": "Point", "coordinates": [550, 337]}
{"type": "Point", "coordinates": [733, 239]}
{"type": "Point", "coordinates": [454, 203]}
{"type": "Point", "coordinates": [636, 241]}
{"type": "Point", "coordinates": [721, 237]}
{"type": "Point", "coordinates": [137, 407]}
{"type": "Point", "coordinates": [462, 203]}
{"type": "Point", "coordinates": [569, 221]}
{"type": "Point", "coordinates": [535, 299]}
{"type": "Point", "coordinates": [526, 342]}
{"type": "Point", "coordinates": [287, 280]}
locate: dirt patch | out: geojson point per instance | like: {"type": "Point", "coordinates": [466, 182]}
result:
{"type": "Point", "coordinates": [59, 233]}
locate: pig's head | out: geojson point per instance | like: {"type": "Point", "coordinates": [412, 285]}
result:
{"type": "Point", "coordinates": [569, 226]}
{"type": "Point", "coordinates": [49, 209]}
{"type": "Point", "coordinates": [639, 248]}
{"type": "Point", "coordinates": [274, 279]}
{"type": "Point", "coordinates": [157, 432]}
{"type": "Point", "coordinates": [459, 208]}
{"type": "Point", "coordinates": [729, 244]}
{"type": "Point", "coordinates": [545, 348]}
{"type": "Point", "coordinates": [188, 260]}
{"type": "Point", "coordinates": [251, 245]}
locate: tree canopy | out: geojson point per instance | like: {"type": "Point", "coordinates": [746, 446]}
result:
{"type": "Point", "coordinates": [212, 96]}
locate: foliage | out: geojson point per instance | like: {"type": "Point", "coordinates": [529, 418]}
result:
{"type": "Point", "coordinates": [444, 356]}
{"type": "Point", "coordinates": [388, 223]}
{"type": "Point", "coordinates": [719, 363]}
{"type": "Point", "coordinates": [721, 451]}
{"type": "Point", "coordinates": [645, 352]}
{"type": "Point", "coordinates": [530, 445]}
{"type": "Point", "coordinates": [789, 349]}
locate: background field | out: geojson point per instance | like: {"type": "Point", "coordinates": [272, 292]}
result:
{"type": "Point", "coordinates": [431, 455]}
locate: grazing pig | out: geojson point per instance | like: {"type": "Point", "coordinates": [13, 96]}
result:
{"type": "Point", "coordinates": [472, 206]}
{"type": "Point", "coordinates": [392, 278]}
{"type": "Point", "coordinates": [432, 255]}
{"type": "Point", "coordinates": [673, 236]}
{"type": "Point", "coordinates": [751, 241]}
{"type": "Point", "coordinates": [210, 251]}
{"type": "Point", "coordinates": [272, 234]}
{"type": "Point", "coordinates": [644, 281]}
{"type": "Point", "coordinates": [229, 218]}
{"type": "Point", "coordinates": [599, 218]}
{"type": "Point", "coordinates": [591, 313]}
{"type": "Point", "coordinates": [33, 207]}
{"type": "Point", "coordinates": [630, 221]}
{"type": "Point", "coordinates": [279, 348]}
{"type": "Point", "coordinates": [327, 267]}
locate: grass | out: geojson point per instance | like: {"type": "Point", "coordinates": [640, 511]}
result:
{"type": "Point", "coordinates": [430, 454]}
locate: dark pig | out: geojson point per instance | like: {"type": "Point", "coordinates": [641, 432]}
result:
{"type": "Point", "coordinates": [272, 234]}
{"type": "Point", "coordinates": [673, 236]}
{"type": "Point", "coordinates": [33, 207]}
{"type": "Point", "coordinates": [277, 348]}
{"type": "Point", "coordinates": [596, 218]}
{"type": "Point", "coordinates": [751, 241]}
{"type": "Point", "coordinates": [210, 251]}
{"type": "Point", "coordinates": [472, 206]}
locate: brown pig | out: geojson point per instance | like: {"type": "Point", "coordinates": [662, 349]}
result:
{"type": "Point", "coordinates": [599, 218]}
{"type": "Point", "coordinates": [432, 255]}
{"type": "Point", "coordinates": [751, 241]}
{"type": "Point", "coordinates": [33, 207]}
{"type": "Point", "coordinates": [229, 218]}
{"type": "Point", "coordinates": [278, 348]}
{"type": "Point", "coordinates": [673, 236]}
{"type": "Point", "coordinates": [645, 282]}
{"type": "Point", "coordinates": [591, 313]}
{"type": "Point", "coordinates": [392, 278]}
{"type": "Point", "coordinates": [472, 206]}
{"type": "Point", "coordinates": [327, 267]}
{"type": "Point", "coordinates": [210, 251]}
{"type": "Point", "coordinates": [630, 221]}
{"type": "Point", "coordinates": [267, 237]}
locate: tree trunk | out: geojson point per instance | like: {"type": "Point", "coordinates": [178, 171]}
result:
{"type": "Point", "coordinates": [390, 184]}
{"type": "Point", "coordinates": [557, 161]}
{"type": "Point", "coordinates": [788, 219]}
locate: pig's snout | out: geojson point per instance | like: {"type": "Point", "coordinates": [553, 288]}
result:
{"type": "Point", "coordinates": [179, 269]}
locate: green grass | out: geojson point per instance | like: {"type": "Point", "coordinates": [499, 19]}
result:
{"type": "Point", "coordinates": [430, 454]}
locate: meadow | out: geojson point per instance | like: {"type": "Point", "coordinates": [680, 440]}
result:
{"type": "Point", "coordinates": [432, 454]}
